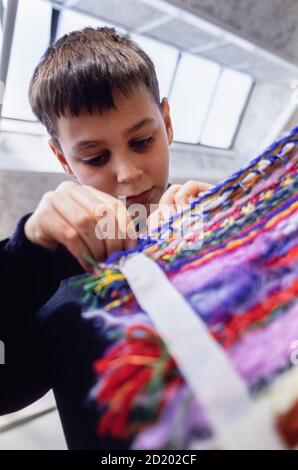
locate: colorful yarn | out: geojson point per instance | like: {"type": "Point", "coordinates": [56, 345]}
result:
{"type": "Point", "coordinates": [240, 276]}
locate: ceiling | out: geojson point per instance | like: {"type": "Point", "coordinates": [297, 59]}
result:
{"type": "Point", "coordinates": [256, 37]}
{"type": "Point", "coordinates": [271, 24]}
{"type": "Point", "coordinates": [259, 38]}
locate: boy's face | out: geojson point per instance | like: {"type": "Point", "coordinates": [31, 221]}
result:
{"type": "Point", "coordinates": [122, 152]}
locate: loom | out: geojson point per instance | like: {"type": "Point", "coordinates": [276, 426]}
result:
{"type": "Point", "coordinates": [201, 329]}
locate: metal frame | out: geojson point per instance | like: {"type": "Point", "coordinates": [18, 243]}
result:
{"type": "Point", "coordinates": [8, 30]}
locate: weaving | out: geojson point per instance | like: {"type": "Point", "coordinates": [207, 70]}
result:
{"type": "Point", "coordinates": [233, 279]}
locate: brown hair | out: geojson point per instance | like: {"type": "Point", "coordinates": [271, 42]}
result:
{"type": "Point", "coordinates": [80, 71]}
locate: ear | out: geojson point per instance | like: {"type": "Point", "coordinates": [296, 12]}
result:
{"type": "Point", "coordinates": [60, 156]}
{"type": "Point", "coordinates": [165, 107]}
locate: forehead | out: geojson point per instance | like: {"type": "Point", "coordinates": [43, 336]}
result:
{"type": "Point", "coordinates": [139, 105]}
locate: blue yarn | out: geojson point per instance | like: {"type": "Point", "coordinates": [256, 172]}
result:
{"type": "Point", "coordinates": [143, 243]}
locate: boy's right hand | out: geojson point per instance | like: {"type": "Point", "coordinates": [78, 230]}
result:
{"type": "Point", "coordinates": [72, 214]}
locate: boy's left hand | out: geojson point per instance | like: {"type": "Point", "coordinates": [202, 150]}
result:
{"type": "Point", "coordinates": [174, 198]}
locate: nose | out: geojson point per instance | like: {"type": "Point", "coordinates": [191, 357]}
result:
{"type": "Point", "coordinates": [126, 171]}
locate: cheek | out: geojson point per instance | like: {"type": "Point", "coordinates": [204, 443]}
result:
{"type": "Point", "coordinates": [159, 155]}
{"type": "Point", "coordinates": [159, 171]}
{"type": "Point", "coordinates": [94, 177]}
{"type": "Point", "coordinates": [159, 163]}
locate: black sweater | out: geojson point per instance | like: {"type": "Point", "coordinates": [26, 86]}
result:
{"type": "Point", "coordinates": [29, 276]}
{"type": "Point", "coordinates": [47, 342]}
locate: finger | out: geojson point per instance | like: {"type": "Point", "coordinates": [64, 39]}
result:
{"type": "Point", "coordinates": [167, 206]}
{"type": "Point", "coordinates": [168, 195]}
{"type": "Point", "coordinates": [81, 221]}
{"type": "Point", "coordinates": [109, 230]}
{"type": "Point", "coordinates": [103, 209]}
{"type": "Point", "coordinates": [56, 227]}
{"type": "Point", "coordinates": [124, 223]}
{"type": "Point", "coordinates": [190, 189]}
{"type": "Point", "coordinates": [100, 206]}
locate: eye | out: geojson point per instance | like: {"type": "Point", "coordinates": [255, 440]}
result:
{"type": "Point", "coordinates": [142, 144]}
{"type": "Point", "coordinates": [97, 161]}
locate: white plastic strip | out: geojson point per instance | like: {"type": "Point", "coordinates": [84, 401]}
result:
{"type": "Point", "coordinates": [203, 363]}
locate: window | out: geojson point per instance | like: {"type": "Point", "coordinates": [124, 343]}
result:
{"type": "Point", "coordinates": [229, 101]}
{"type": "Point", "coordinates": [31, 38]}
{"type": "Point", "coordinates": [191, 96]}
{"type": "Point", "coordinates": [164, 58]}
{"type": "Point", "coordinates": [206, 100]}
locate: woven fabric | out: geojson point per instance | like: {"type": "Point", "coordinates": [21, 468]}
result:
{"type": "Point", "coordinates": [237, 268]}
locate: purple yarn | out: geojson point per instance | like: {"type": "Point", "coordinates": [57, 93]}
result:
{"type": "Point", "coordinates": [173, 431]}
{"type": "Point", "coordinates": [265, 350]}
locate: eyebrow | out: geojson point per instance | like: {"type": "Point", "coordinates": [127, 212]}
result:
{"type": "Point", "coordinates": [91, 143]}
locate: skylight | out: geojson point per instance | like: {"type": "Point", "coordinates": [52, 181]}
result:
{"type": "Point", "coordinates": [164, 58]}
{"type": "Point", "coordinates": [225, 111]}
{"type": "Point", "coordinates": [191, 96]}
{"type": "Point", "coordinates": [206, 99]}
{"type": "Point", "coordinates": [29, 43]}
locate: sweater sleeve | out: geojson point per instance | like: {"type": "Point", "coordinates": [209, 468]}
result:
{"type": "Point", "coordinates": [25, 269]}
{"type": "Point", "coordinates": [29, 276]}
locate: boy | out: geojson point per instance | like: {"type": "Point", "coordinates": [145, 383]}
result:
{"type": "Point", "coordinates": [97, 94]}
{"type": "Point", "coordinates": [109, 131]}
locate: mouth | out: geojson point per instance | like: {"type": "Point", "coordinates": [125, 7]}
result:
{"type": "Point", "coordinates": [140, 198]}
